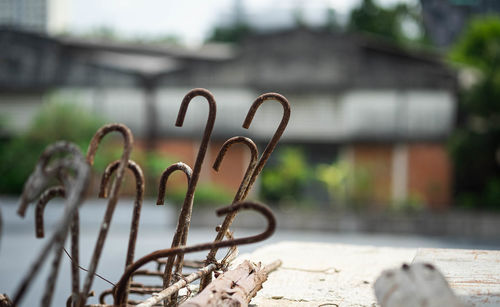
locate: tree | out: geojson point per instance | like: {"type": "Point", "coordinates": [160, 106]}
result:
{"type": "Point", "coordinates": [475, 145]}
{"type": "Point", "coordinates": [401, 23]}
{"type": "Point", "coordinates": [57, 120]}
{"type": "Point", "coordinates": [233, 33]}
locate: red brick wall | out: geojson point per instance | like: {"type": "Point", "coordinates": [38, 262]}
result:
{"type": "Point", "coordinates": [377, 161]}
{"type": "Point", "coordinates": [232, 168]}
{"type": "Point", "coordinates": [230, 173]}
{"type": "Point", "coordinates": [429, 174]}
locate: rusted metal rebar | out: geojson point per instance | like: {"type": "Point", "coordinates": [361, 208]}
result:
{"type": "Point", "coordinates": [75, 190]}
{"type": "Point", "coordinates": [184, 215]}
{"type": "Point", "coordinates": [186, 211]}
{"type": "Point", "coordinates": [277, 135]}
{"type": "Point", "coordinates": [139, 195]}
{"type": "Point", "coordinates": [113, 199]}
{"type": "Point", "coordinates": [45, 197]}
{"type": "Point", "coordinates": [267, 152]}
{"type": "Point", "coordinates": [120, 287]}
{"type": "Point", "coordinates": [239, 194]}
{"type": "Point", "coordinates": [174, 288]}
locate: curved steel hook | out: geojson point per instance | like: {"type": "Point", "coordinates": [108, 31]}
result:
{"type": "Point", "coordinates": [179, 166]}
{"type": "Point", "coordinates": [128, 140]}
{"type": "Point", "coordinates": [48, 195]}
{"type": "Point", "coordinates": [277, 135]}
{"type": "Point", "coordinates": [45, 197]}
{"type": "Point", "coordinates": [43, 173]}
{"type": "Point", "coordinates": [181, 224]}
{"type": "Point", "coordinates": [120, 287]}
{"type": "Point", "coordinates": [75, 188]}
{"type": "Point", "coordinates": [186, 211]}
{"type": "Point", "coordinates": [251, 164]}
{"type": "Point", "coordinates": [205, 280]}
{"type": "Point", "coordinates": [139, 194]}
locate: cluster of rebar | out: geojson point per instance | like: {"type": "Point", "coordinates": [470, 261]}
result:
{"type": "Point", "coordinates": [64, 162]}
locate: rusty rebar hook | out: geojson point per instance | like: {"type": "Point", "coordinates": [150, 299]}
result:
{"type": "Point", "coordinates": [75, 190]}
{"type": "Point", "coordinates": [139, 195]}
{"type": "Point", "coordinates": [45, 197]}
{"type": "Point", "coordinates": [277, 135]}
{"type": "Point", "coordinates": [267, 152]}
{"type": "Point", "coordinates": [128, 140]}
{"type": "Point", "coordinates": [179, 166]}
{"type": "Point", "coordinates": [180, 238]}
{"type": "Point", "coordinates": [228, 220]}
{"type": "Point", "coordinates": [120, 288]}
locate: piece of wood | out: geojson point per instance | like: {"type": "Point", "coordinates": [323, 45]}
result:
{"type": "Point", "coordinates": [416, 285]}
{"type": "Point", "coordinates": [474, 275]}
{"type": "Point", "coordinates": [167, 293]}
{"type": "Point", "coordinates": [5, 301]}
{"type": "Point", "coordinates": [235, 287]}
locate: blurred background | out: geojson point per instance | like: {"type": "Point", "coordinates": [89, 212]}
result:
{"type": "Point", "coordinates": [394, 137]}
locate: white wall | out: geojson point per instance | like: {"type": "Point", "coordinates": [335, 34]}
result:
{"type": "Point", "coordinates": [323, 118]}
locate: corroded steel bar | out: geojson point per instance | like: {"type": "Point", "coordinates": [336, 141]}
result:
{"type": "Point", "coordinates": [228, 220]}
{"type": "Point", "coordinates": [167, 293]}
{"type": "Point", "coordinates": [120, 287]}
{"type": "Point", "coordinates": [128, 140]}
{"type": "Point", "coordinates": [139, 194]}
{"type": "Point", "coordinates": [45, 197]}
{"type": "Point", "coordinates": [269, 148]}
{"type": "Point", "coordinates": [75, 189]}
{"type": "Point", "coordinates": [186, 212]}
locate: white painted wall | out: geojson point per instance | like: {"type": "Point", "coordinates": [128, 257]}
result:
{"type": "Point", "coordinates": [324, 118]}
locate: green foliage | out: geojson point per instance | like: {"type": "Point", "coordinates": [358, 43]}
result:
{"type": "Point", "coordinates": [475, 144]}
{"type": "Point", "coordinates": [56, 121]}
{"type": "Point", "coordinates": [389, 23]}
{"type": "Point", "coordinates": [206, 195]}
{"type": "Point", "coordinates": [346, 184]}
{"type": "Point", "coordinates": [285, 180]}
{"type": "Point", "coordinates": [479, 46]}
{"type": "Point", "coordinates": [230, 34]}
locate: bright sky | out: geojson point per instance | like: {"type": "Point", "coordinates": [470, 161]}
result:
{"type": "Point", "coordinates": [190, 20]}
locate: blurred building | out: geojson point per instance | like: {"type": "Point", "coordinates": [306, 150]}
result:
{"type": "Point", "coordinates": [444, 20]}
{"type": "Point", "coordinates": [34, 15]}
{"type": "Point", "coordinates": [380, 107]}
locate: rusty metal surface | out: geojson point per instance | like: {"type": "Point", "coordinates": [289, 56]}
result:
{"type": "Point", "coordinates": [113, 199]}
{"type": "Point", "coordinates": [75, 188]}
{"type": "Point", "coordinates": [223, 229]}
{"type": "Point", "coordinates": [267, 152]}
{"type": "Point", "coordinates": [45, 197]}
{"type": "Point", "coordinates": [184, 218]}
{"type": "Point", "coordinates": [180, 237]}
{"type": "Point", "coordinates": [271, 226]}
{"type": "Point", "coordinates": [139, 195]}
{"type": "Point", "coordinates": [72, 171]}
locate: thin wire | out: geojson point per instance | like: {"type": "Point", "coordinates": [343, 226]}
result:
{"type": "Point", "coordinates": [84, 269]}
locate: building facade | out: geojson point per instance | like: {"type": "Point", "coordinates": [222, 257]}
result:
{"type": "Point", "coordinates": [382, 108]}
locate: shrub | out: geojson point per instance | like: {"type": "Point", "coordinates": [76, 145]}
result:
{"type": "Point", "coordinates": [57, 120]}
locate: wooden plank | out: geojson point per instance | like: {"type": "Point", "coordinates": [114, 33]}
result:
{"type": "Point", "coordinates": [474, 275]}
{"type": "Point", "coordinates": [235, 287]}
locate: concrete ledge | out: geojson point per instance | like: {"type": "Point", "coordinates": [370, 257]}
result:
{"type": "Point", "coordinates": [477, 225]}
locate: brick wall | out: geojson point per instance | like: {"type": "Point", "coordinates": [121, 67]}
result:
{"type": "Point", "coordinates": [429, 176]}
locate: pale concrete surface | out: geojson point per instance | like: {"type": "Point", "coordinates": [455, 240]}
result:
{"type": "Point", "coordinates": [474, 275]}
{"type": "Point", "coordinates": [323, 274]}
{"type": "Point", "coordinates": [319, 274]}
